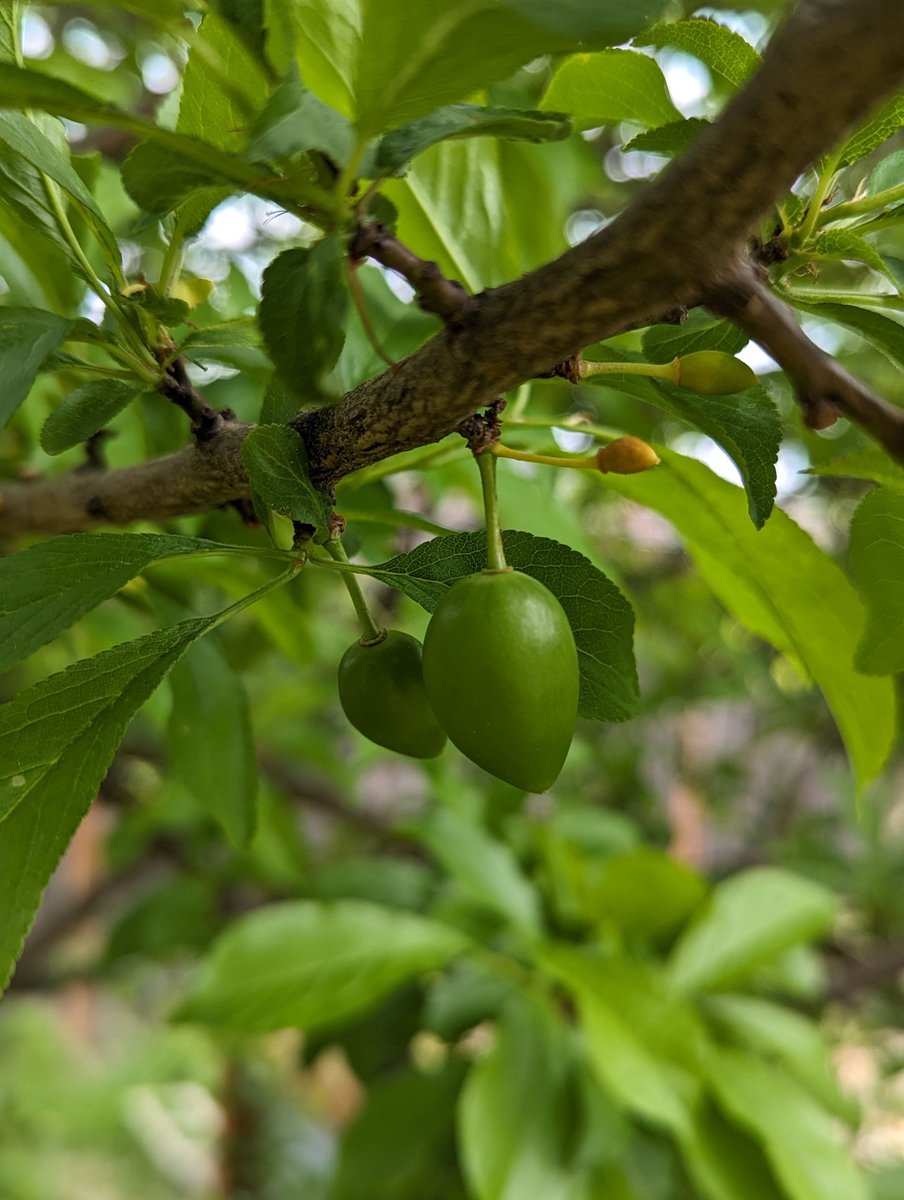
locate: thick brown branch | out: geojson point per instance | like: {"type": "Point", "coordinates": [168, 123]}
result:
{"type": "Point", "coordinates": [683, 239]}
{"type": "Point", "coordinates": [824, 389]}
{"type": "Point", "coordinates": [192, 480]}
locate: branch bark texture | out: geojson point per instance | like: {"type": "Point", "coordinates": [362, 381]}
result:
{"type": "Point", "coordinates": [681, 242]}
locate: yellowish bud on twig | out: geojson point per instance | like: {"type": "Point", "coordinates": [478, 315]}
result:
{"type": "Point", "coordinates": [626, 456]}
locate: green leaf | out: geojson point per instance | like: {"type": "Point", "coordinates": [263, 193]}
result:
{"type": "Point", "coordinates": [798, 1136]}
{"type": "Point", "coordinates": [277, 464]}
{"type": "Point", "coordinates": [782, 587]}
{"type": "Point", "coordinates": [886, 174]}
{"type": "Point", "coordinates": [413, 58]}
{"type": "Point", "coordinates": [24, 89]}
{"type": "Point", "coordinates": [747, 425]}
{"type": "Point", "coordinates": [750, 920]}
{"type": "Point", "coordinates": [885, 124]}
{"type": "Point", "coordinates": [293, 121]}
{"type": "Point", "coordinates": [673, 138]}
{"type": "Point", "coordinates": [872, 463]}
{"type": "Point", "coordinates": [394, 151]}
{"type": "Point", "coordinates": [236, 343]}
{"type": "Point", "coordinates": [302, 312]}
{"type": "Point", "coordinates": [786, 1037]}
{"type": "Point", "coordinates": [396, 1145]}
{"type": "Point", "coordinates": [27, 336]}
{"type": "Point", "coordinates": [312, 965]}
{"type": "Point", "coordinates": [327, 39]}
{"type": "Point", "coordinates": [485, 869]}
{"type": "Point", "coordinates": [847, 245]}
{"type": "Point", "coordinates": [702, 330]}
{"type": "Point", "coordinates": [636, 1075]}
{"type": "Point", "coordinates": [223, 86]}
{"type": "Point", "coordinates": [884, 334]}
{"type": "Point", "coordinates": [609, 87]}
{"type": "Point", "coordinates": [725, 52]}
{"type": "Point", "coordinates": [57, 740]}
{"type": "Point", "coordinates": [601, 619]}
{"type": "Point", "coordinates": [877, 564]}
{"type": "Point", "coordinates": [10, 24]}
{"type": "Point", "coordinates": [724, 1162]}
{"type": "Point", "coordinates": [83, 412]}
{"type": "Point", "coordinates": [452, 206]}
{"type": "Point", "coordinates": [48, 151]}
{"type": "Point", "coordinates": [645, 893]}
{"type": "Point", "coordinates": [471, 991]}
{"type": "Point", "coordinates": [248, 19]}
{"type": "Point", "coordinates": [47, 588]}
{"type": "Point", "coordinates": [591, 22]}
{"type": "Point", "coordinates": [209, 738]}
{"type": "Point", "coordinates": [280, 404]}
{"type": "Point", "coordinates": [514, 1117]}
{"type": "Point", "coordinates": [159, 180]}
{"type": "Point", "coordinates": [24, 194]}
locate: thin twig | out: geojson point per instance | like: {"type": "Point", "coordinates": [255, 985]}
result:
{"type": "Point", "coordinates": [824, 389]}
{"type": "Point", "coordinates": [354, 287]}
{"type": "Point", "coordinates": [206, 422]}
{"type": "Point", "coordinates": [447, 298]}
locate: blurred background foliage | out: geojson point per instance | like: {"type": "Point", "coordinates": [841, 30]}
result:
{"type": "Point", "coordinates": [734, 762]}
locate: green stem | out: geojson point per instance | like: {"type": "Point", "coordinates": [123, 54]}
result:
{"type": "Point", "coordinates": [285, 556]}
{"type": "Point", "coordinates": [172, 259]}
{"type": "Point", "coordinates": [253, 597]}
{"type": "Point", "coordinates": [69, 234]}
{"type": "Point", "coordinates": [860, 299]}
{"type": "Point", "coordinates": [548, 460]}
{"type": "Point", "coordinates": [667, 370]}
{"type": "Point", "coordinates": [59, 213]}
{"type": "Point", "coordinates": [486, 464]}
{"type": "Point", "coordinates": [578, 424]}
{"type": "Point", "coordinates": [865, 204]}
{"type": "Point", "coordinates": [823, 183]}
{"type": "Point", "coordinates": [347, 178]}
{"type": "Point", "coordinates": [422, 458]}
{"type": "Point", "coordinates": [886, 220]}
{"type": "Point", "coordinates": [148, 374]}
{"type": "Point", "coordinates": [370, 630]}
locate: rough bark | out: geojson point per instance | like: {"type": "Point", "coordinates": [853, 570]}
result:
{"type": "Point", "coordinates": [681, 242]}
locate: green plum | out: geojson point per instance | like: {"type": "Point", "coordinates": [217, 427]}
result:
{"type": "Point", "coordinates": [501, 671]}
{"type": "Point", "coordinates": [381, 688]}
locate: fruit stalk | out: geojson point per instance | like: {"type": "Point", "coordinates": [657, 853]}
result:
{"type": "Point", "coordinates": [486, 464]}
{"type": "Point", "coordinates": [371, 632]}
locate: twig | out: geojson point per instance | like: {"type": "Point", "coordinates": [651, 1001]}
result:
{"type": "Point", "coordinates": [825, 390]}
{"type": "Point", "coordinates": [447, 298]}
{"type": "Point", "coordinates": [177, 387]}
{"type": "Point", "coordinates": [354, 287]}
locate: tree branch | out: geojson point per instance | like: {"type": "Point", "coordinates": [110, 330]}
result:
{"type": "Point", "coordinates": [684, 238]}
{"type": "Point", "coordinates": [447, 298]}
{"type": "Point", "coordinates": [195, 479]}
{"type": "Point", "coordinates": [824, 388]}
